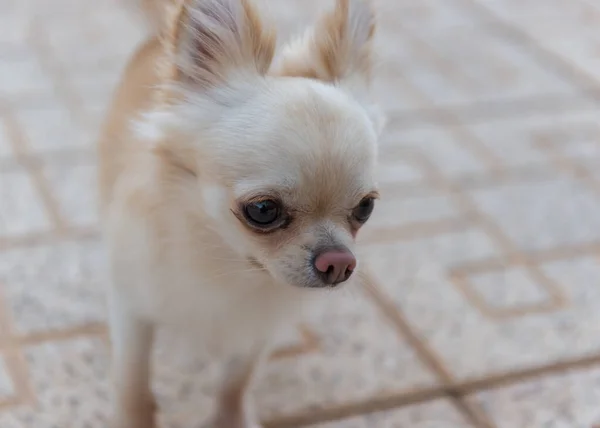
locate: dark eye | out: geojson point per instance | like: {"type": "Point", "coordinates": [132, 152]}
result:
{"type": "Point", "coordinates": [363, 210]}
{"type": "Point", "coordinates": [263, 213]}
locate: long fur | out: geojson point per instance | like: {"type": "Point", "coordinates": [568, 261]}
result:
{"type": "Point", "coordinates": [204, 124]}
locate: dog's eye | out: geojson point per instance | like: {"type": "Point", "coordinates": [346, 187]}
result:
{"type": "Point", "coordinates": [263, 213]}
{"type": "Point", "coordinates": [363, 210]}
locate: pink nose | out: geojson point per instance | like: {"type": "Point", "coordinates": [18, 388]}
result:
{"type": "Point", "coordinates": [335, 267]}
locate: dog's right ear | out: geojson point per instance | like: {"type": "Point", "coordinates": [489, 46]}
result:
{"type": "Point", "coordinates": [207, 41]}
{"type": "Point", "coordinates": [337, 50]}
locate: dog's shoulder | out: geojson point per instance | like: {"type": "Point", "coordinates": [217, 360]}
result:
{"type": "Point", "coordinates": [133, 95]}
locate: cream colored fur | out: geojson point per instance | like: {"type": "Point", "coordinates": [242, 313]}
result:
{"type": "Point", "coordinates": [201, 124]}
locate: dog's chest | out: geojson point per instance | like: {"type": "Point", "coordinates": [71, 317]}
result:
{"type": "Point", "coordinates": [225, 314]}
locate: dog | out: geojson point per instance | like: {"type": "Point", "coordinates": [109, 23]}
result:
{"type": "Point", "coordinates": [233, 184]}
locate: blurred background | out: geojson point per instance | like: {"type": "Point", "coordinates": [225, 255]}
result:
{"type": "Point", "coordinates": [485, 307]}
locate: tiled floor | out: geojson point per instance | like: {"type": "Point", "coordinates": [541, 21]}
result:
{"type": "Point", "coordinates": [485, 306]}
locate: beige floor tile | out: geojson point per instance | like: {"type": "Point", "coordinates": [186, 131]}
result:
{"type": "Point", "coordinates": [50, 128]}
{"type": "Point", "coordinates": [452, 55]}
{"type": "Point", "coordinates": [15, 22]}
{"type": "Point", "coordinates": [484, 66]}
{"type": "Point", "coordinates": [398, 263]}
{"type": "Point", "coordinates": [391, 88]}
{"type": "Point", "coordinates": [74, 187]}
{"type": "Point", "coordinates": [538, 216]}
{"type": "Point", "coordinates": [398, 171]}
{"type": "Point", "coordinates": [529, 9]}
{"type": "Point", "coordinates": [436, 414]}
{"type": "Point", "coordinates": [531, 140]}
{"type": "Point", "coordinates": [6, 150]}
{"type": "Point", "coordinates": [22, 75]}
{"type": "Point", "coordinates": [566, 29]}
{"type": "Point", "coordinates": [439, 146]}
{"type": "Point", "coordinates": [22, 209]}
{"type": "Point", "coordinates": [395, 211]}
{"type": "Point", "coordinates": [593, 167]}
{"type": "Point", "coordinates": [95, 87]}
{"type": "Point", "coordinates": [426, 16]}
{"type": "Point", "coordinates": [75, 37]}
{"type": "Point", "coordinates": [70, 380]}
{"type": "Point", "coordinates": [7, 386]}
{"type": "Point", "coordinates": [54, 287]}
{"type": "Point", "coordinates": [372, 362]}
{"type": "Point", "coordinates": [497, 320]}
{"type": "Point", "coordinates": [463, 94]}
{"type": "Point", "coordinates": [508, 289]}
{"type": "Point", "coordinates": [568, 400]}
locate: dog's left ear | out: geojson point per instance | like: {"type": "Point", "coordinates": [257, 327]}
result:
{"type": "Point", "coordinates": [208, 41]}
{"type": "Point", "coordinates": [337, 50]}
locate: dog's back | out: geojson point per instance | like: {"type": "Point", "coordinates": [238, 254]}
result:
{"type": "Point", "coordinates": [133, 95]}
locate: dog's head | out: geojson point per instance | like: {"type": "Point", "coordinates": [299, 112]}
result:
{"type": "Point", "coordinates": [278, 157]}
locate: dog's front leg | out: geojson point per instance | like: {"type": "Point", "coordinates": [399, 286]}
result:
{"type": "Point", "coordinates": [131, 348]}
{"type": "Point", "coordinates": [234, 406]}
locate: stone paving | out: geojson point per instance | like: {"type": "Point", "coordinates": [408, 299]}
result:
{"type": "Point", "coordinates": [485, 306]}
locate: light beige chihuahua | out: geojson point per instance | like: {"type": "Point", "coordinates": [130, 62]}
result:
{"type": "Point", "coordinates": [232, 187]}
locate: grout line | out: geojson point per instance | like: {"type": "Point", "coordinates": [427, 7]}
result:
{"type": "Point", "coordinates": [555, 300]}
{"type": "Point", "coordinates": [62, 157]}
{"type": "Point", "coordinates": [572, 168]}
{"type": "Point", "coordinates": [471, 143]}
{"type": "Point", "coordinates": [497, 111]}
{"type": "Point", "coordinates": [48, 237]}
{"type": "Point", "coordinates": [422, 50]}
{"type": "Point", "coordinates": [544, 56]}
{"type": "Point", "coordinates": [36, 338]}
{"type": "Point", "coordinates": [538, 257]}
{"type": "Point", "coordinates": [10, 402]}
{"type": "Point", "coordinates": [500, 380]}
{"type": "Point", "coordinates": [57, 74]}
{"type": "Point", "coordinates": [383, 403]}
{"type": "Point", "coordinates": [20, 148]}
{"type": "Point", "coordinates": [16, 365]}
{"type": "Point", "coordinates": [456, 392]}
{"type": "Point", "coordinates": [453, 390]}
{"type": "Point", "coordinates": [340, 412]}
{"type": "Point", "coordinates": [426, 355]}
{"type": "Point", "coordinates": [481, 112]}
{"type": "Point", "coordinates": [18, 370]}
{"type": "Point", "coordinates": [531, 173]}
{"type": "Point", "coordinates": [414, 230]}
{"type": "Point", "coordinates": [473, 414]}
{"type": "Point", "coordinates": [393, 314]}
{"type": "Point", "coordinates": [311, 342]}
{"type": "Point", "coordinates": [494, 231]}
{"type": "Point", "coordinates": [558, 298]}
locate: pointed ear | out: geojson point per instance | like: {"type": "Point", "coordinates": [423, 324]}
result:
{"type": "Point", "coordinates": [209, 40]}
{"type": "Point", "coordinates": [336, 50]}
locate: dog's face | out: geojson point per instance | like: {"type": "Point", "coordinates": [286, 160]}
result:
{"type": "Point", "coordinates": [297, 181]}
{"type": "Point", "coordinates": [283, 156]}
